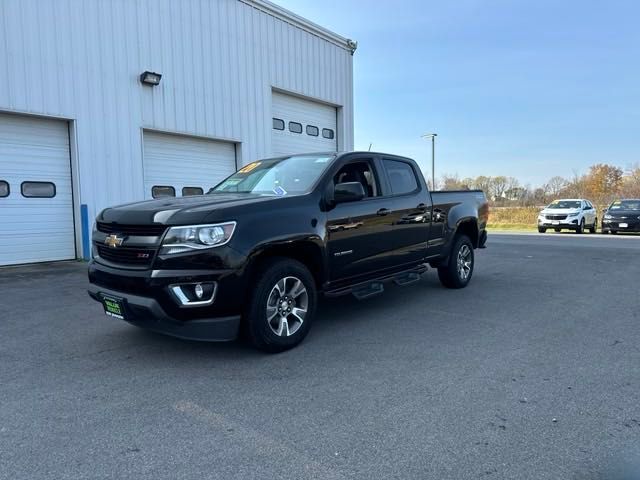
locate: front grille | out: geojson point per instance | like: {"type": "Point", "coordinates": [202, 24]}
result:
{"type": "Point", "coordinates": [556, 217]}
{"type": "Point", "coordinates": [127, 256]}
{"type": "Point", "coordinates": [137, 230]}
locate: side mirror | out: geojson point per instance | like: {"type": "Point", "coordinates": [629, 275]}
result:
{"type": "Point", "coordinates": [348, 192]}
{"type": "Point", "coordinates": [586, 208]}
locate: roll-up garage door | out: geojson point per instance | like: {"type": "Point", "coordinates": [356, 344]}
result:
{"type": "Point", "coordinates": [177, 165]}
{"type": "Point", "coordinates": [302, 126]}
{"type": "Point", "coordinates": [36, 201]}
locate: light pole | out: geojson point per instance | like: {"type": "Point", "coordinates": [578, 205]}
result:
{"type": "Point", "coordinates": [432, 136]}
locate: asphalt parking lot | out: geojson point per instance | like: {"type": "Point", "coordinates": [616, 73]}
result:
{"type": "Point", "coordinates": [533, 371]}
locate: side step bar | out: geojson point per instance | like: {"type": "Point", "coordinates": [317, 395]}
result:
{"type": "Point", "coordinates": [366, 291]}
{"type": "Point", "coordinates": [374, 287]}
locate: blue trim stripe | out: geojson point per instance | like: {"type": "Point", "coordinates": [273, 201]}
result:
{"type": "Point", "coordinates": [86, 244]}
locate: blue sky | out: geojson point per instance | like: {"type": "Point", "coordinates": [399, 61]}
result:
{"type": "Point", "coordinates": [529, 89]}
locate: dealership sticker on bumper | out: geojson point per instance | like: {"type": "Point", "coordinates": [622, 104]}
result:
{"type": "Point", "coordinates": [113, 307]}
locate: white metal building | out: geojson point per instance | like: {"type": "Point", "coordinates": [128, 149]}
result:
{"type": "Point", "coordinates": [79, 130]}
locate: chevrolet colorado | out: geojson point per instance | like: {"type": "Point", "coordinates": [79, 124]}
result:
{"type": "Point", "coordinates": [253, 254]}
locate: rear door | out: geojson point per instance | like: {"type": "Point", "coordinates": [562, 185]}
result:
{"type": "Point", "coordinates": [411, 210]}
{"type": "Point", "coordinates": [360, 235]}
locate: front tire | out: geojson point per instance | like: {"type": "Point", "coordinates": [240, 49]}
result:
{"type": "Point", "coordinates": [593, 228]}
{"type": "Point", "coordinates": [542, 230]}
{"type": "Point", "coordinates": [580, 228]}
{"type": "Point", "coordinates": [281, 306]}
{"type": "Point", "coordinates": [459, 268]}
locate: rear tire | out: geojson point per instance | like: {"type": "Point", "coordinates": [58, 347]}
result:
{"type": "Point", "coordinates": [459, 268]}
{"type": "Point", "coordinates": [614, 232]}
{"type": "Point", "coordinates": [281, 306]}
{"type": "Point", "coordinates": [557, 230]}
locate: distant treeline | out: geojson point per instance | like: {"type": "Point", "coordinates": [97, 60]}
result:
{"type": "Point", "coordinates": [602, 184]}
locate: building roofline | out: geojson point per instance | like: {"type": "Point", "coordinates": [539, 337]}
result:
{"type": "Point", "coordinates": [296, 20]}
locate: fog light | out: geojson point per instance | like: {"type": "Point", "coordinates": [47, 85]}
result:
{"type": "Point", "coordinates": [199, 291]}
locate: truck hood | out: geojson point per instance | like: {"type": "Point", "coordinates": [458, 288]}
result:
{"type": "Point", "coordinates": [181, 210]}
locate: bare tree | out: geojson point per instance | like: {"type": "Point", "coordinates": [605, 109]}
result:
{"type": "Point", "coordinates": [498, 186]}
{"type": "Point", "coordinates": [555, 185]}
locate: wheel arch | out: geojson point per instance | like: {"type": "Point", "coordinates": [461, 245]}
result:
{"type": "Point", "coordinates": [306, 251]}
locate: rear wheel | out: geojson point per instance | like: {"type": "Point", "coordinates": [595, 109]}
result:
{"type": "Point", "coordinates": [614, 232]}
{"type": "Point", "coordinates": [557, 230]}
{"type": "Point", "coordinates": [459, 268]}
{"type": "Point", "coordinates": [281, 306]}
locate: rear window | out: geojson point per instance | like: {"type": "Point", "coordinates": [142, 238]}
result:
{"type": "Point", "coordinates": [162, 191]}
{"type": "Point", "coordinates": [402, 178]}
{"type": "Point", "coordinates": [38, 189]}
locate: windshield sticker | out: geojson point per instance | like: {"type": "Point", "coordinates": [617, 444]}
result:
{"type": "Point", "coordinates": [248, 168]}
{"type": "Point", "coordinates": [279, 191]}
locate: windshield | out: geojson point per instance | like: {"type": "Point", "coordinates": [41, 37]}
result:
{"type": "Point", "coordinates": [625, 205]}
{"type": "Point", "coordinates": [565, 204]}
{"type": "Point", "coordinates": [289, 176]}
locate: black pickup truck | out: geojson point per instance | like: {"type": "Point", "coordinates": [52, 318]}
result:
{"type": "Point", "coordinates": [253, 254]}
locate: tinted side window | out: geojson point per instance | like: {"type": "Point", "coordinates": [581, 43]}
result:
{"type": "Point", "coordinates": [38, 189]}
{"type": "Point", "coordinates": [187, 191]}
{"type": "Point", "coordinates": [402, 179]}
{"type": "Point", "coordinates": [4, 189]}
{"type": "Point", "coordinates": [161, 191]}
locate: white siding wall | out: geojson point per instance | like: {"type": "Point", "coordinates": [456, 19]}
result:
{"type": "Point", "coordinates": [220, 59]}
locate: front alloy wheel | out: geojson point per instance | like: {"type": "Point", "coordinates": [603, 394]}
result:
{"type": "Point", "coordinates": [281, 304]}
{"type": "Point", "coordinates": [287, 306]}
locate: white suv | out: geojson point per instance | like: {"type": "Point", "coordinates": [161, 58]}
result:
{"type": "Point", "coordinates": [571, 214]}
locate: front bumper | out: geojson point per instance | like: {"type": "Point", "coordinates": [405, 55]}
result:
{"type": "Point", "coordinates": [149, 303]}
{"type": "Point", "coordinates": [147, 313]}
{"type": "Point", "coordinates": [572, 223]}
{"type": "Point", "coordinates": [614, 225]}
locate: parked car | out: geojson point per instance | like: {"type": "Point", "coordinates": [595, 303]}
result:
{"type": "Point", "coordinates": [569, 214]}
{"type": "Point", "coordinates": [622, 216]}
{"type": "Point", "coordinates": [254, 253]}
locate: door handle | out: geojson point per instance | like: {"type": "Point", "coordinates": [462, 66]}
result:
{"type": "Point", "coordinates": [383, 211]}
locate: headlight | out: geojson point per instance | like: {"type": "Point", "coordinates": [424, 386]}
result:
{"type": "Point", "coordinates": [574, 214]}
{"type": "Point", "coordinates": [196, 237]}
{"type": "Point", "coordinates": [608, 217]}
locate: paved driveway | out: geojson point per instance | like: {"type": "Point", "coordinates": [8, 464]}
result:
{"type": "Point", "coordinates": [531, 372]}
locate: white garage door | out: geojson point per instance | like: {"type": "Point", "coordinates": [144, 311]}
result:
{"type": "Point", "coordinates": [176, 165]}
{"type": "Point", "coordinates": [302, 126]}
{"type": "Point", "coordinates": [36, 203]}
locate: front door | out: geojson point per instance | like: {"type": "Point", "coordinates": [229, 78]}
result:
{"type": "Point", "coordinates": [360, 232]}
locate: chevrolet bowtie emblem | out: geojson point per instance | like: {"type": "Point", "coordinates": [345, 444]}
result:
{"type": "Point", "coordinates": [113, 240]}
